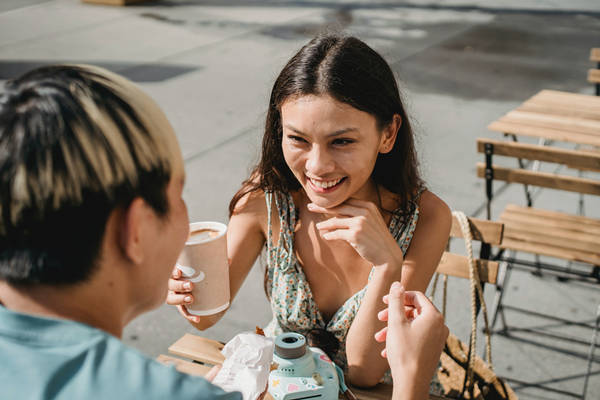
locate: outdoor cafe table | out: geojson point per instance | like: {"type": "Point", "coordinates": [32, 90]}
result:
{"type": "Point", "coordinates": [556, 116]}
{"type": "Point", "coordinates": [200, 354]}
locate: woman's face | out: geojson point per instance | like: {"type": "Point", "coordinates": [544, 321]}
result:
{"type": "Point", "coordinates": [331, 148]}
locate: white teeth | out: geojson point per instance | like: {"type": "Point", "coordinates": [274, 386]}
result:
{"type": "Point", "coordinates": [325, 185]}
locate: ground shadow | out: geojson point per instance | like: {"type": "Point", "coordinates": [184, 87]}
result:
{"type": "Point", "coordinates": [149, 72]}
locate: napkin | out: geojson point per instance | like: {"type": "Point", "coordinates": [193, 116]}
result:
{"type": "Point", "coordinates": [247, 365]}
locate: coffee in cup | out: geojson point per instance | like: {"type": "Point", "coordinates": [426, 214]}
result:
{"type": "Point", "coordinates": [203, 261]}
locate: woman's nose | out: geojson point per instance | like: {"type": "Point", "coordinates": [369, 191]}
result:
{"type": "Point", "coordinates": [319, 162]}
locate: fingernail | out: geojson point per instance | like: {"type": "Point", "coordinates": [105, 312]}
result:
{"type": "Point", "coordinates": [187, 285]}
{"type": "Point", "coordinates": [188, 299]}
{"type": "Point", "coordinates": [396, 285]}
{"type": "Point", "coordinates": [310, 206]}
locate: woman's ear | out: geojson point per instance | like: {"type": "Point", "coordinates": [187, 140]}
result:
{"type": "Point", "coordinates": [389, 134]}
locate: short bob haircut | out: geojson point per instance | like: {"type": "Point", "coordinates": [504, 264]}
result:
{"type": "Point", "coordinates": [351, 72]}
{"type": "Point", "coordinates": [76, 142]}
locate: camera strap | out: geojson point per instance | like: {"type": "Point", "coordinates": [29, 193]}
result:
{"type": "Point", "coordinates": [343, 388]}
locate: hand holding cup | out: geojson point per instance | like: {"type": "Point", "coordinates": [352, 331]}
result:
{"type": "Point", "coordinates": [199, 285]}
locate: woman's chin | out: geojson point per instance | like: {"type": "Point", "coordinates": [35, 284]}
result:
{"type": "Point", "coordinates": [324, 201]}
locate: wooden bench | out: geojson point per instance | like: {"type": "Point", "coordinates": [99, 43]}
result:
{"type": "Point", "coordinates": [484, 231]}
{"type": "Point", "coordinates": [488, 233]}
{"type": "Point", "coordinates": [573, 238]}
{"type": "Point", "coordinates": [594, 73]}
{"type": "Point", "coordinates": [556, 116]}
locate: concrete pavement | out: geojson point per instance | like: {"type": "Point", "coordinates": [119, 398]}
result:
{"type": "Point", "coordinates": [461, 64]}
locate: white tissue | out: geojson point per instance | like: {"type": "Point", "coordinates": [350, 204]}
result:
{"type": "Point", "coordinates": [247, 365]}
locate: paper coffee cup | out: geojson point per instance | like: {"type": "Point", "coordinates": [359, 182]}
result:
{"type": "Point", "coordinates": [203, 261]}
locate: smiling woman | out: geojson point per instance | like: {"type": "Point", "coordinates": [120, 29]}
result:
{"type": "Point", "coordinates": [337, 202]}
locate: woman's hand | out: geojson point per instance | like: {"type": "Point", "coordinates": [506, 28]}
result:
{"type": "Point", "coordinates": [361, 225]}
{"type": "Point", "coordinates": [180, 294]}
{"type": "Point", "coordinates": [414, 338]}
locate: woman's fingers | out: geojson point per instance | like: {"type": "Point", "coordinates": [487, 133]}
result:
{"type": "Point", "coordinates": [212, 373]}
{"type": "Point", "coordinates": [417, 300]}
{"type": "Point", "coordinates": [335, 223]}
{"type": "Point", "coordinates": [397, 313]}
{"type": "Point", "coordinates": [383, 315]}
{"type": "Point", "coordinates": [183, 311]}
{"type": "Point", "coordinates": [410, 312]}
{"type": "Point", "coordinates": [176, 299]}
{"type": "Point", "coordinates": [340, 234]}
{"type": "Point", "coordinates": [176, 274]}
{"type": "Point", "coordinates": [180, 286]}
{"type": "Point", "coordinates": [344, 209]}
{"type": "Point", "coordinates": [381, 336]}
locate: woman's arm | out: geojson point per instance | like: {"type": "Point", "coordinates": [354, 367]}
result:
{"type": "Point", "coordinates": [245, 239]}
{"type": "Point", "coordinates": [365, 366]}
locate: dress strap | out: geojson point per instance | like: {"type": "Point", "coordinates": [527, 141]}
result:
{"type": "Point", "coordinates": [281, 256]}
{"type": "Point", "coordinates": [268, 199]}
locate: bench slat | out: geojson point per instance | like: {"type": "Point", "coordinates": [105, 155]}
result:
{"type": "Point", "coordinates": [561, 109]}
{"type": "Point", "coordinates": [199, 349]}
{"type": "Point", "coordinates": [458, 266]}
{"type": "Point", "coordinates": [552, 251]}
{"type": "Point", "coordinates": [586, 101]}
{"type": "Point", "coordinates": [574, 158]}
{"type": "Point", "coordinates": [595, 54]}
{"type": "Point", "coordinates": [557, 215]}
{"type": "Point", "coordinates": [550, 223]}
{"type": "Point", "coordinates": [481, 229]}
{"type": "Point", "coordinates": [546, 133]}
{"type": "Point", "coordinates": [594, 76]}
{"type": "Point", "coordinates": [556, 237]}
{"type": "Point", "coordinates": [184, 366]}
{"type": "Point", "coordinates": [575, 124]}
{"type": "Point", "coordinates": [543, 179]}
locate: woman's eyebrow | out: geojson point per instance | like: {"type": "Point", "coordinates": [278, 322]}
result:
{"type": "Point", "coordinates": [332, 134]}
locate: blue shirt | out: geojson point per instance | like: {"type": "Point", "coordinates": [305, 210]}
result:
{"type": "Point", "coordinates": [46, 358]}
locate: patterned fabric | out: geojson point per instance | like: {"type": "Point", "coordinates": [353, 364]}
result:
{"type": "Point", "coordinates": [293, 305]}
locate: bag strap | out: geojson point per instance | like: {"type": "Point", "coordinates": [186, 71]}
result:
{"type": "Point", "coordinates": [476, 292]}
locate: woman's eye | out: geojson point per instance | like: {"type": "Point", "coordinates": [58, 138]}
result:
{"type": "Point", "coordinates": [296, 139]}
{"type": "Point", "coordinates": [342, 142]}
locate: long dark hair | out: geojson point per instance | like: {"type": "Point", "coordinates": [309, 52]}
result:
{"type": "Point", "coordinates": [353, 73]}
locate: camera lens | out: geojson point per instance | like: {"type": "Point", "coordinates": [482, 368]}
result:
{"type": "Point", "coordinates": [290, 345]}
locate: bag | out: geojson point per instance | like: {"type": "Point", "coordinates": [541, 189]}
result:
{"type": "Point", "coordinates": [463, 374]}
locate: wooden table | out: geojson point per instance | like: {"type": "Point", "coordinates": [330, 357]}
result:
{"type": "Point", "coordinates": [200, 354]}
{"type": "Point", "coordinates": [555, 115]}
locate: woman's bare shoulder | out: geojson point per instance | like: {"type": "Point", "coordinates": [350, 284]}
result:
{"type": "Point", "coordinates": [432, 208]}
{"type": "Point", "coordinates": [251, 204]}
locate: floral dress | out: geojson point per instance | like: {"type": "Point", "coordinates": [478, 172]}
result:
{"type": "Point", "coordinates": [293, 305]}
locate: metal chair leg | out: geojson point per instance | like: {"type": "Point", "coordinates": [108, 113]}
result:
{"type": "Point", "coordinates": [501, 286]}
{"type": "Point", "coordinates": [591, 354]}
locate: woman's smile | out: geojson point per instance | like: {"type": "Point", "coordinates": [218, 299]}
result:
{"type": "Point", "coordinates": [325, 186]}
